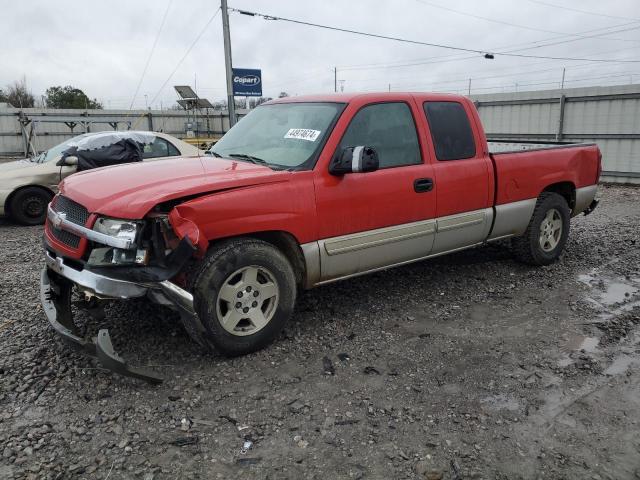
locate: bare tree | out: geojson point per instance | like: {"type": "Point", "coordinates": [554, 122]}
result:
{"type": "Point", "coordinates": [19, 95]}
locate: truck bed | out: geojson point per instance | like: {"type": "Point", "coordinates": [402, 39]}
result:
{"type": "Point", "coordinates": [523, 170]}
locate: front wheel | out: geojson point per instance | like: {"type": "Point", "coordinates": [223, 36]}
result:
{"type": "Point", "coordinates": [245, 292]}
{"type": "Point", "coordinates": [547, 233]}
{"type": "Point", "coordinates": [29, 206]}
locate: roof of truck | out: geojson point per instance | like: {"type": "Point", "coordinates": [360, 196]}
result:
{"type": "Point", "coordinates": [373, 96]}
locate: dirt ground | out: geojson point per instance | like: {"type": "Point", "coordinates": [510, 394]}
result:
{"type": "Point", "coordinates": [466, 366]}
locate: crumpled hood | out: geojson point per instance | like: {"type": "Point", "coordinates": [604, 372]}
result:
{"type": "Point", "coordinates": [130, 191]}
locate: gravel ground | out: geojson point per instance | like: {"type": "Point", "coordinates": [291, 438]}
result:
{"type": "Point", "coordinates": [466, 366]}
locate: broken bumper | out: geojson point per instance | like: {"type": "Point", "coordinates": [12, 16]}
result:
{"type": "Point", "coordinates": [57, 282]}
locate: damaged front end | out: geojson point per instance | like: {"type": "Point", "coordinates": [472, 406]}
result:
{"type": "Point", "coordinates": [116, 259]}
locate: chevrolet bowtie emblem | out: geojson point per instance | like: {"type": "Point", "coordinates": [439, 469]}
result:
{"type": "Point", "coordinates": [58, 219]}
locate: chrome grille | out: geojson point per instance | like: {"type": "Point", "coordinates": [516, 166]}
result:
{"type": "Point", "coordinates": [65, 237]}
{"type": "Point", "coordinates": [75, 212]}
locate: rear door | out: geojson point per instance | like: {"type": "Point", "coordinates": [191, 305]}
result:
{"type": "Point", "coordinates": [375, 219]}
{"type": "Point", "coordinates": [464, 176]}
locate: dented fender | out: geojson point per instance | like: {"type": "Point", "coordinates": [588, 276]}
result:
{"type": "Point", "coordinates": [184, 227]}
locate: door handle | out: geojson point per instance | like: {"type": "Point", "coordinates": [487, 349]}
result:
{"type": "Point", "coordinates": [423, 185]}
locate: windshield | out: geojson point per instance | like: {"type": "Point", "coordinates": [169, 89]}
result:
{"type": "Point", "coordinates": [284, 135]}
{"type": "Point", "coordinates": [56, 151]}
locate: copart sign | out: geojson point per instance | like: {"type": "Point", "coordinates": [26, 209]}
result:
{"type": "Point", "coordinates": [247, 82]}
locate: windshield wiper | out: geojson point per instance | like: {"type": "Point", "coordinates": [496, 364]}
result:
{"type": "Point", "coordinates": [215, 154]}
{"type": "Point", "coordinates": [251, 158]}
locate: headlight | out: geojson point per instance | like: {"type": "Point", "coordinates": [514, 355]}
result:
{"type": "Point", "coordinates": [125, 229]}
{"type": "Point", "coordinates": [117, 228]}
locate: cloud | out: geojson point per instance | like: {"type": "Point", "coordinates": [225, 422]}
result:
{"type": "Point", "coordinates": [101, 47]}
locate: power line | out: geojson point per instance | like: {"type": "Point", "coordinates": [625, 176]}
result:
{"type": "Point", "coordinates": [517, 73]}
{"type": "Point", "coordinates": [587, 12]}
{"type": "Point", "coordinates": [487, 53]}
{"type": "Point", "coordinates": [186, 53]}
{"type": "Point", "coordinates": [153, 47]}
{"type": "Point", "coordinates": [501, 22]}
{"type": "Point", "coordinates": [423, 61]}
{"type": "Point", "coordinates": [356, 32]}
{"type": "Point", "coordinates": [183, 58]}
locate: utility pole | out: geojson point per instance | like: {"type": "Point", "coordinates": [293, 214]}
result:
{"type": "Point", "coordinates": [469, 90]}
{"type": "Point", "coordinates": [231, 106]}
{"type": "Point", "coordinates": [389, 87]}
{"type": "Point", "coordinates": [562, 83]}
{"type": "Point", "coordinates": [335, 79]}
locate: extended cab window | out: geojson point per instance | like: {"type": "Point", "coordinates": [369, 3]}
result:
{"type": "Point", "coordinates": [450, 130]}
{"type": "Point", "coordinates": [390, 129]}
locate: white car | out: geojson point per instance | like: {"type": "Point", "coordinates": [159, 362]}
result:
{"type": "Point", "coordinates": [27, 186]}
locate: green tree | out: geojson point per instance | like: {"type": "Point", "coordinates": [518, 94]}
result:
{"type": "Point", "coordinates": [18, 95]}
{"type": "Point", "coordinates": [69, 97]}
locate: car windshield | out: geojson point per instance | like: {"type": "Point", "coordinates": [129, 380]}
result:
{"type": "Point", "coordinates": [55, 152]}
{"type": "Point", "coordinates": [284, 135]}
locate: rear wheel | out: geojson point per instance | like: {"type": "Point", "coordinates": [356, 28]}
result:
{"type": "Point", "coordinates": [29, 206]}
{"type": "Point", "coordinates": [244, 293]}
{"type": "Point", "coordinates": [547, 233]}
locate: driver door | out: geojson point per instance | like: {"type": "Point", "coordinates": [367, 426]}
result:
{"type": "Point", "coordinates": [376, 219]}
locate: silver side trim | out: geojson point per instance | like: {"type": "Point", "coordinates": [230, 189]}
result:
{"type": "Point", "coordinates": [584, 197]}
{"type": "Point", "coordinates": [512, 218]}
{"type": "Point", "coordinates": [462, 220]}
{"type": "Point", "coordinates": [399, 264]}
{"type": "Point", "coordinates": [59, 220]}
{"type": "Point", "coordinates": [364, 251]}
{"type": "Point", "coordinates": [462, 229]}
{"type": "Point", "coordinates": [381, 236]}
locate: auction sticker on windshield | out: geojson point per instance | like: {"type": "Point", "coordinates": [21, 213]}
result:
{"type": "Point", "coordinates": [303, 134]}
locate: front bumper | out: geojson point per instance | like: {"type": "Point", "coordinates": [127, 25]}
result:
{"type": "Point", "coordinates": [57, 282]}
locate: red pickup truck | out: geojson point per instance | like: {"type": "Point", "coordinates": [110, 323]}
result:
{"type": "Point", "coordinates": [301, 192]}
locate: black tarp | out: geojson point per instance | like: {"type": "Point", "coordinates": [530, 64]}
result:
{"type": "Point", "coordinates": [125, 150]}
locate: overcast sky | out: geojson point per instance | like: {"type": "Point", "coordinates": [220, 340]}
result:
{"type": "Point", "coordinates": [102, 46]}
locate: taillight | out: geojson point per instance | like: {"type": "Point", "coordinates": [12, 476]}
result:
{"type": "Point", "coordinates": [599, 166]}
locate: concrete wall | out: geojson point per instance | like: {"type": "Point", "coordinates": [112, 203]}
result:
{"type": "Point", "coordinates": [608, 116]}
{"type": "Point", "coordinates": [49, 127]}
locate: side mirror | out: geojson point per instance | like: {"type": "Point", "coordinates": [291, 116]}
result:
{"type": "Point", "coordinates": [69, 161]}
{"type": "Point", "coordinates": [359, 159]}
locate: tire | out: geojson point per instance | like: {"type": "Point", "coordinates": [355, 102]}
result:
{"type": "Point", "coordinates": [244, 293]}
{"type": "Point", "coordinates": [29, 206]}
{"type": "Point", "coordinates": [542, 243]}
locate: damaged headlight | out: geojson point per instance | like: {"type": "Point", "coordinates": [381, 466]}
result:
{"type": "Point", "coordinates": [124, 229]}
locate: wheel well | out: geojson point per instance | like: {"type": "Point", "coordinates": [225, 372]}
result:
{"type": "Point", "coordinates": [7, 203]}
{"type": "Point", "coordinates": [565, 189]}
{"type": "Point", "coordinates": [287, 244]}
